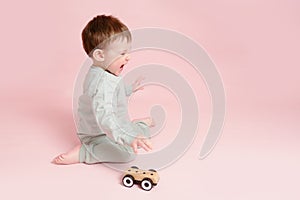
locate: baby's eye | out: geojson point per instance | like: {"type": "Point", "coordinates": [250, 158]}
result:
{"type": "Point", "coordinates": [123, 54]}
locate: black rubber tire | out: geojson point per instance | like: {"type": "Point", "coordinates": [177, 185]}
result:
{"type": "Point", "coordinates": [146, 184]}
{"type": "Point", "coordinates": [128, 181]}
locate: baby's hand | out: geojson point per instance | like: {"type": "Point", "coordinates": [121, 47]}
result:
{"type": "Point", "coordinates": [147, 120]}
{"type": "Point", "coordinates": [136, 85]}
{"type": "Point", "coordinates": [141, 142]}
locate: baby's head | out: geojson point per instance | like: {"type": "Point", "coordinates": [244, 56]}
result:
{"type": "Point", "coordinates": [107, 41]}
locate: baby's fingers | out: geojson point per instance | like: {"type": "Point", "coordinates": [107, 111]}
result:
{"type": "Point", "coordinates": [140, 88]}
{"type": "Point", "coordinates": [145, 145]}
{"type": "Point", "coordinates": [148, 144]}
{"type": "Point", "coordinates": [134, 146]}
{"type": "Point", "coordinates": [139, 80]}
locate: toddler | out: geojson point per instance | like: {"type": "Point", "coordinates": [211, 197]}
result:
{"type": "Point", "coordinates": [104, 128]}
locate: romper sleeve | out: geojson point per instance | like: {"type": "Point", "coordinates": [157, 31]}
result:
{"type": "Point", "coordinates": [112, 116]}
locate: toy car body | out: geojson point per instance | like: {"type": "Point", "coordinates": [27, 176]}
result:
{"type": "Point", "coordinates": [146, 178]}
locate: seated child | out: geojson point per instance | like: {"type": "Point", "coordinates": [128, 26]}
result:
{"type": "Point", "coordinates": [104, 128]}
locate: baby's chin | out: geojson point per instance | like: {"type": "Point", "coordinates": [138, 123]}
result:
{"type": "Point", "coordinates": [118, 73]}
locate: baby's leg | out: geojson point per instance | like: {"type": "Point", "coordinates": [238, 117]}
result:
{"type": "Point", "coordinates": [105, 150]}
{"type": "Point", "coordinates": [71, 157]}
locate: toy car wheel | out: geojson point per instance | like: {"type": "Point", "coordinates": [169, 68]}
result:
{"type": "Point", "coordinates": [128, 181]}
{"type": "Point", "coordinates": [146, 184]}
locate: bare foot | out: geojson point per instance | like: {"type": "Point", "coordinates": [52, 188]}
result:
{"type": "Point", "coordinates": [71, 157]}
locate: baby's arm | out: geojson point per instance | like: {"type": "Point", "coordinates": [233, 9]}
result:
{"type": "Point", "coordinates": [130, 133]}
{"type": "Point", "coordinates": [115, 120]}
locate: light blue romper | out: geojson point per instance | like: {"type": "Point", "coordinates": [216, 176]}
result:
{"type": "Point", "coordinates": [104, 127]}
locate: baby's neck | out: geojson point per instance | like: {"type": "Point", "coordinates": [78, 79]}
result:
{"type": "Point", "coordinates": [98, 64]}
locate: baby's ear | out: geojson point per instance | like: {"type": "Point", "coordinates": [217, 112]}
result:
{"type": "Point", "coordinates": [98, 55]}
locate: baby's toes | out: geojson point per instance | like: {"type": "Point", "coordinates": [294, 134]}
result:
{"type": "Point", "coordinates": [59, 159]}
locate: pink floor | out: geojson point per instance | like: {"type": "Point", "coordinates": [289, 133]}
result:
{"type": "Point", "coordinates": [255, 46]}
{"type": "Point", "coordinates": [256, 158]}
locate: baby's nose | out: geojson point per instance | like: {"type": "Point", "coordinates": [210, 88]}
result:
{"type": "Point", "coordinates": [127, 57]}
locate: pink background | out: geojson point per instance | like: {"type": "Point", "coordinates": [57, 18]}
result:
{"type": "Point", "coordinates": [255, 45]}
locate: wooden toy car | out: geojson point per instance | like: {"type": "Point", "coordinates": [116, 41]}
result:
{"type": "Point", "coordinates": [146, 178]}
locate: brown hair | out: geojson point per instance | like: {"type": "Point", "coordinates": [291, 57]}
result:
{"type": "Point", "coordinates": [99, 31]}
